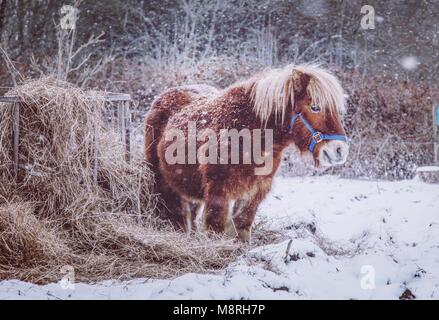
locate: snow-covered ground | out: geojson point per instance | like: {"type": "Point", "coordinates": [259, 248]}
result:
{"type": "Point", "coordinates": [351, 239]}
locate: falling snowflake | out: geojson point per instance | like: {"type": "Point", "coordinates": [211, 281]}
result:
{"type": "Point", "coordinates": [410, 62]}
{"type": "Point", "coordinates": [379, 19]}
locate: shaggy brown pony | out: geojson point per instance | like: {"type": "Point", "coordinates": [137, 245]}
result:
{"type": "Point", "coordinates": [300, 104]}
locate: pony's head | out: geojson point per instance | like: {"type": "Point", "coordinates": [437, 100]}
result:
{"type": "Point", "coordinates": [308, 102]}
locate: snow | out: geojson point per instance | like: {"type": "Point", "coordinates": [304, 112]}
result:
{"type": "Point", "coordinates": [409, 62]}
{"type": "Point", "coordinates": [379, 19]}
{"type": "Point", "coordinates": [351, 239]}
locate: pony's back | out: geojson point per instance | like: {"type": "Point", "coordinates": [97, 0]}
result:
{"type": "Point", "coordinates": [164, 106]}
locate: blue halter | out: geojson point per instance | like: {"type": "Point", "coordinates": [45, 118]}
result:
{"type": "Point", "coordinates": [317, 136]}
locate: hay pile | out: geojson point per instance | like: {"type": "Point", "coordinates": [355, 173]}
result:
{"type": "Point", "coordinates": [55, 213]}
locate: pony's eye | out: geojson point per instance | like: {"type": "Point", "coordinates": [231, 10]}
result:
{"type": "Point", "coordinates": [315, 108]}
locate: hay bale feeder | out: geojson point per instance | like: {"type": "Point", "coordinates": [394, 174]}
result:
{"type": "Point", "coordinates": [120, 101]}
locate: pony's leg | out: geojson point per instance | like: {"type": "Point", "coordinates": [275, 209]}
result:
{"type": "Point", "coordinates": [171, 206]}
{"type": "Point", "coordinates": [216, 209]}
{"type": "Point", "coordinates": [244, 213]}
{"type": "Point", "coordinates": [190, 210]}
{"type": "Point", "coordinates": [230, 226]}
{"type": "Point", "coordinates": [195, 207]}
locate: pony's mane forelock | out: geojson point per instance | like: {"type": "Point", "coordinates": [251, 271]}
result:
{"type": "Point", "coordinates": [273, 89]}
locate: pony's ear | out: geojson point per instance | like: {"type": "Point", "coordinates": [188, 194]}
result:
{"type": "Point", "coordinates": [300, 82]}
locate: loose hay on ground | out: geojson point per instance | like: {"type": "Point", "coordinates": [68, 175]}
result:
{"type": "Point", "coordinates": [56, 213]}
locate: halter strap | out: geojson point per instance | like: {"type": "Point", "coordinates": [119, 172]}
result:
{"type": "Point", "coordinates": [316, 136]}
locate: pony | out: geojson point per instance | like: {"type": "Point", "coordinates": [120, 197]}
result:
{"type": "Point", "coordinates": [300, 105]}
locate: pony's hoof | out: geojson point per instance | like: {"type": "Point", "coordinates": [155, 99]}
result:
{"type": "Point", "coordinates": [244, 236]}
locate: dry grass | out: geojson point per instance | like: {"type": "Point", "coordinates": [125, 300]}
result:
{"type": "Point", "coordinates": [390, 125]}
{"type": "Point", "coordinates": [56, 214]}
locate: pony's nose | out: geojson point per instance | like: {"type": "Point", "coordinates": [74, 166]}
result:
{"type": "Point", "coordinates": [333, 153]}
{"type": "Point", "coordinates": [339, 153]}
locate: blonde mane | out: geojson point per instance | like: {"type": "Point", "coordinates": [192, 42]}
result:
{"type": "Point", "coordinates": [272, 90]}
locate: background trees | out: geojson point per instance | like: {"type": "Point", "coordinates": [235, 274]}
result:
{"type": "Point", "coordinates": [269, 30]}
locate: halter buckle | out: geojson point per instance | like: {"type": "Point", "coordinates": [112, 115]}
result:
{"type": "Point", "coordinates": [317, 137]}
